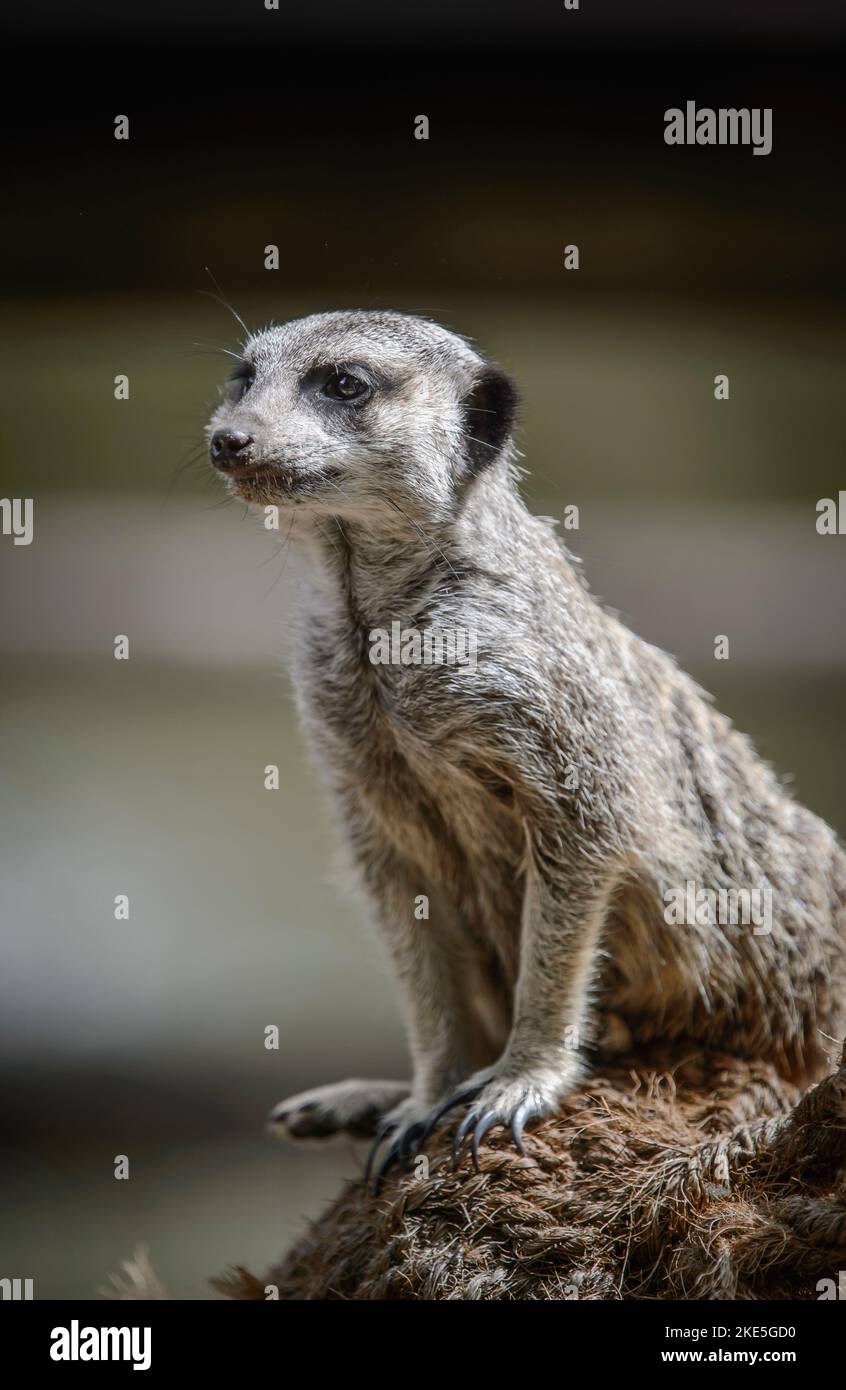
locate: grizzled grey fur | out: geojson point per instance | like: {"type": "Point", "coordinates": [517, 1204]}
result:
{"type": "Point", "coordinates": [543, 802]}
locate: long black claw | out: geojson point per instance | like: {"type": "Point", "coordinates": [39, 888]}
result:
{"type": "Point", "coordinates": [459, 1099]}
{"type": "Point", "coordinates": [463, 1129]}
{"type": "Point", "coordinates": [486, 1123]}
{"type": "Point", "coordinates": [391, 1157]}
{"type": "Point", "coordinates": [518, 1120]}
{"type": "Point", "coordinates": [408, 1143]}
{"type": "Point", "coordinates": [381, 1135]}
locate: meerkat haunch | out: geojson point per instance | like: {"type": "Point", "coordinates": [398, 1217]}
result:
{"type": "Point", "coordinates": [546, 801]}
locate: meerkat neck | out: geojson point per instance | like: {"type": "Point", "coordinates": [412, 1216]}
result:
{"type": "Point", "coordinates": [383, 573]}
{"type": "Point", "coordinates": [391, 567]}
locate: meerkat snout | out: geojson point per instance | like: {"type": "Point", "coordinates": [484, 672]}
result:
{"type": "Point", "coordinates": [230, 449]}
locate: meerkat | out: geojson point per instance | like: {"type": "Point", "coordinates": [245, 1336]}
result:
{"type": "Point", "coordinates": [543, 802]}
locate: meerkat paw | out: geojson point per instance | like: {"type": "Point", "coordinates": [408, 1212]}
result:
{"type": "Point", "coordinates": [397, 1139]}
{"type": "Point", "coordinates": [504, 1095]}
{"type": "Point", "coordinates": [354, 1107]}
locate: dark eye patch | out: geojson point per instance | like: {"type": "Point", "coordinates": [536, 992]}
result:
{"type": "Point", "coordinates": [341, 383]}
{"type": "Point", "coordinates": [345, 386]}
{"type": "Point", "coordinates": [242, 379]}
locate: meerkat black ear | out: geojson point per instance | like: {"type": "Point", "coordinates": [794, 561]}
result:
{"type": "Point", "coordinates": [488, 413]}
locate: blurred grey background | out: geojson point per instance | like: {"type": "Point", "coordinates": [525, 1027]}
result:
{"type": "Point", "coordinates": [145, 777]}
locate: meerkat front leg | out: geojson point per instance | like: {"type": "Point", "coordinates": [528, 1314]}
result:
{"type": "Point", "coordinates": [436, 1023]}
{"type": "Point", "coordinates": [563, 914]}
{"type": "Point", "coordinates": [428, 964]}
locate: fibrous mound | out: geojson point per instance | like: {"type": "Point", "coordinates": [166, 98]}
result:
{"type": "Point", "coordinates": [694, 1176]}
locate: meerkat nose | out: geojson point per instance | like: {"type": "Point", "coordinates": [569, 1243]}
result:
{"type": "Point", "coordinates": [228, 447]}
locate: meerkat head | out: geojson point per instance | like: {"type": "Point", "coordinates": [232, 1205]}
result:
{"type": "Point", "coordinates": [359, 414]}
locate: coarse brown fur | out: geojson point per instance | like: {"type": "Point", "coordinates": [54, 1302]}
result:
{"type": "Point", "coordinates": [545, 802]}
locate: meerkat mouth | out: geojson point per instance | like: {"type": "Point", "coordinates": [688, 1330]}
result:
{"type": "Point", "coordinates": [288, 480]}
{"type": "Point", "coordinates": [276, 482]}
{"type": "Point", "coordinates": [256, 482]}
{"type": "Point", "coordinates": [260, 482]}
{"type": "Point", "coordinates": [253, 473]}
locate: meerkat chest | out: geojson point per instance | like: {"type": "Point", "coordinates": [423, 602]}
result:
{"type": "Point", "coordinates": [434, 802]}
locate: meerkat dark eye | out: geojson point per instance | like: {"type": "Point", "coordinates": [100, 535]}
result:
{"type": "Point", "coordinates": [343, 386]}
{"type": "Point", "coordinates": [242, 379]}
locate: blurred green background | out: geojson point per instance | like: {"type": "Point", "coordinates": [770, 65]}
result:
{"type": "Point", "coordinates": [697, 518]}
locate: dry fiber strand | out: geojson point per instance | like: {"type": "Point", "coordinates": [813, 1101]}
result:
{"type": "Point", "coordinates": [698, 1176]}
